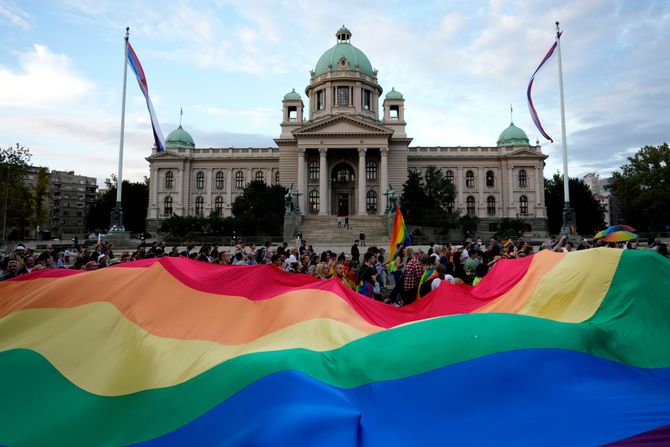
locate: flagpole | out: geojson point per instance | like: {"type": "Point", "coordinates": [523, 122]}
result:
{"type": "Point", "coordinates": [568, 213]}
{"type": "Point", "coordinates": [117, 212]}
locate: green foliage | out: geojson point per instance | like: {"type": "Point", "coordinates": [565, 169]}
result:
{"type": "Point", "coordinates": [134, 200]}
{"type": "Point", "coordinates": [589, 212]}
{"type": "Point", "coordinates": [469, 223]}
{"type": "Point", "coordinates": [426, 202]}
{"type": "Point", "coordinates": [259, 211]}
{"type": "Point", "coordinates": [642, 187]}
{"type": "Point", "coordinates": [15, 202]}
{"type": "Point", "coordinates": [40, 194]}
{"type": "Point", "coordinates": [513, 227]}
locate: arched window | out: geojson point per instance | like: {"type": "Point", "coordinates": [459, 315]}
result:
{"type": "Point", "coordinates": [218, 205]}
{"type": "Point", "coordinates": [239, 180]}
{"type": "Point", "coordinates": [371, 170]}
{"type": "Point", "coordinates": [523, 179]}
{"type": "Point", "coordinates": [490, 179]}
{"type": "Point", "coordinates": [260, 176]}
{"type": "Point", "coordinates": [167, 206]}
{"type": "Point", "coordinates": [371, 201]}
{"type": "Point", "coordinates": [470, 205]}
{"type": "Point", "coordinates": [523, 205]}
{"type": "Point", "coordinates": [200, 180]}
{"type": "Point", "coordinates": [219, 180]}
{"type": "Point", "coordinates": [277, 178]}
{"type": "Point", "coordinates": [169, 180]}
{"type": "Point", "coordinates": [450, 176]}
{"type": "Point", "coordinates": [314, 170]}
{"type": "Point", "coordinates": [314, 201]}
{"type": "Point", "coordinates": [470, 179]}
{"type": "Point", "coordinates": [199, 205]}
{"type": "Point", "coordinates": [491, 206]}
{"type": "Point", "coordinates": [343, 173]}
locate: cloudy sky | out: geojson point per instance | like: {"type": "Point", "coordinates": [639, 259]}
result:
{"type": "Point", "coordinates": [228, 64]}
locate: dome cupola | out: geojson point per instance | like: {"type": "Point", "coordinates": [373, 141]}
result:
{"type": "Point", "coordinates": [179, 138]}
{"type": "Point", "coordinates": [344, 54]}
{"type": "Point", "coordinates": [513, 136]}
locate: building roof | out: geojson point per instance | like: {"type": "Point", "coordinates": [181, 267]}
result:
{"type": "Point", "coordinates": [356, 59]}
{"type": "Point", "coordinates": [394, 94]}
{"type": "Point", "coordinates": [179, 138]}
{"type": "Point", "coordinates": [513, 136]}
{"type": "Point", "coordinates": [292, 96]}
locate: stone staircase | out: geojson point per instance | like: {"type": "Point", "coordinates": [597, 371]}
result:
{"type": "Point", "coordinates": [322, 231]}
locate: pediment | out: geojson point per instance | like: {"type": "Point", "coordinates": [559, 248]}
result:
{"type": "Point", "coordinates": [343, 125]}
{"type": "Point", "coordinates": [526, 153]}
{"type": "Point", "coordinates": [166, 155]}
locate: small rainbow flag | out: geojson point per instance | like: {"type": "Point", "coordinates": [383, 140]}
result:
{"type": "Point", "coordinates": [400, 233]}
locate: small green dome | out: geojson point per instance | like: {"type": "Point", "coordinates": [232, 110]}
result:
{"type": "Point", "coordinates": [292, 96]}
{"type": "Point", "coordinates": [393, 94]}
{"type": "Point", "coordinates": [513, 136]}
{"type": "Point", "coordinates": [344, 49]}
{"type": "Point", "coordinates": [179, 138]}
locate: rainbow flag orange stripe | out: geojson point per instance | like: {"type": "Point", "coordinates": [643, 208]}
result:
{"type": "Point", "coordinates": [555, 348]}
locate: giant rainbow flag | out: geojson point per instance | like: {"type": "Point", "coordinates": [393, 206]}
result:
{"type": "Point", "coordinates": [554, 349]}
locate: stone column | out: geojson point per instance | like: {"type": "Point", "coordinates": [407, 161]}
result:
{"type": "Point", "coordinates": [361, 182]}
{"type": "Point", "coordinates": [209, 184]}
{"type": "Point", "coordinates": [383, 178]}
{"type": "Point", "coordinates": [460, 185]}
{"type": "Point", "coordinates": [301, 180]}
{"type": "Point", "coordinates": [480, 173]}
{"type": "Point", "coordinates": [323, 182]}
{"type": "Point", "coordinates": [229, 187]}
{"type": "Point", "coordinates": [510, 175]}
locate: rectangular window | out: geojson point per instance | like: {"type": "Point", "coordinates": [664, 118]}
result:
{"type": "Point", "coordinates": [292, 113]}
{"type": "Point", "coordinates": [320, 100]}
{"type": "Point", "coordinates": [367, 99]}
{"type": "Point", "coordinates": [342, 96]}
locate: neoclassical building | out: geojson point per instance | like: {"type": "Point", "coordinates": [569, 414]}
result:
{"type": "Point", "coordinates": [342, 150]}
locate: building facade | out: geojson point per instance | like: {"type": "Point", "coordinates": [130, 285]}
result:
{"type": "Point", "coordinates": [342, 151]}
{"type": "Point", "coordinates": [70, 197]}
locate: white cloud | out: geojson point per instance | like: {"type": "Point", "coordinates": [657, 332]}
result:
{"type": "Point", "coordinates": [44, 79]}
{"type": "Point", "coordinates": [15, 15]}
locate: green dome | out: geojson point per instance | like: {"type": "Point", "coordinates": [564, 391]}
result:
{"type": "Point", "coordinates": [393, 94]}
{"type": "Point", "coordinates": [179, 138]}
{"type": "Point", "coordinates": [513, 136]}
{"type": "Point", "coordinates": [344, 49]}
{"type": "Point", "coordinates": [292, 96]}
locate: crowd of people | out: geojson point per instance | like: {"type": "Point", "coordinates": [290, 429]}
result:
{"type": "Point", "coordinates": [410, 273]}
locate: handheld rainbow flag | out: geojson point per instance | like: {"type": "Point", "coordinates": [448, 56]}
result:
{"type": "Point", "coordinates": [175, 352]}
{"type": "Point", "coordinates": [399, 235]}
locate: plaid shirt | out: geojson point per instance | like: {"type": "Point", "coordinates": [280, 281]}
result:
{"type": "Point", "coordinates": [413, 273]}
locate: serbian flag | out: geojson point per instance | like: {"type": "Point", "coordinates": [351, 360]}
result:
{"type": "Point", "coordinates": [142, 81]}
{"type": "Point", "coordinates": [400, 233]}
{"type": "Point", "coordinates": [531, 107]}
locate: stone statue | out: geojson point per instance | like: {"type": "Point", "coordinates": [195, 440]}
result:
{"type": "Point", "coordinates": [392, 200]}
{"type": "Point", "coordinates": [289, 201]}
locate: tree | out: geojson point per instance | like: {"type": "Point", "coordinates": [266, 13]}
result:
{"type": "Point", "coordinates": [40, 193]}
{"type": "Point", "coordinates": [259, 210]}
{"type": "Point", "coordinates": [590, 213]}
{"type": "Point", "coordinates": [15, 203]}
{"type": "Point", "coordinates": [428, 202]}
{"type": "Point", "coordinates": [642, 186]}
{"type": "Point", "coordinates": [134, 200]}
